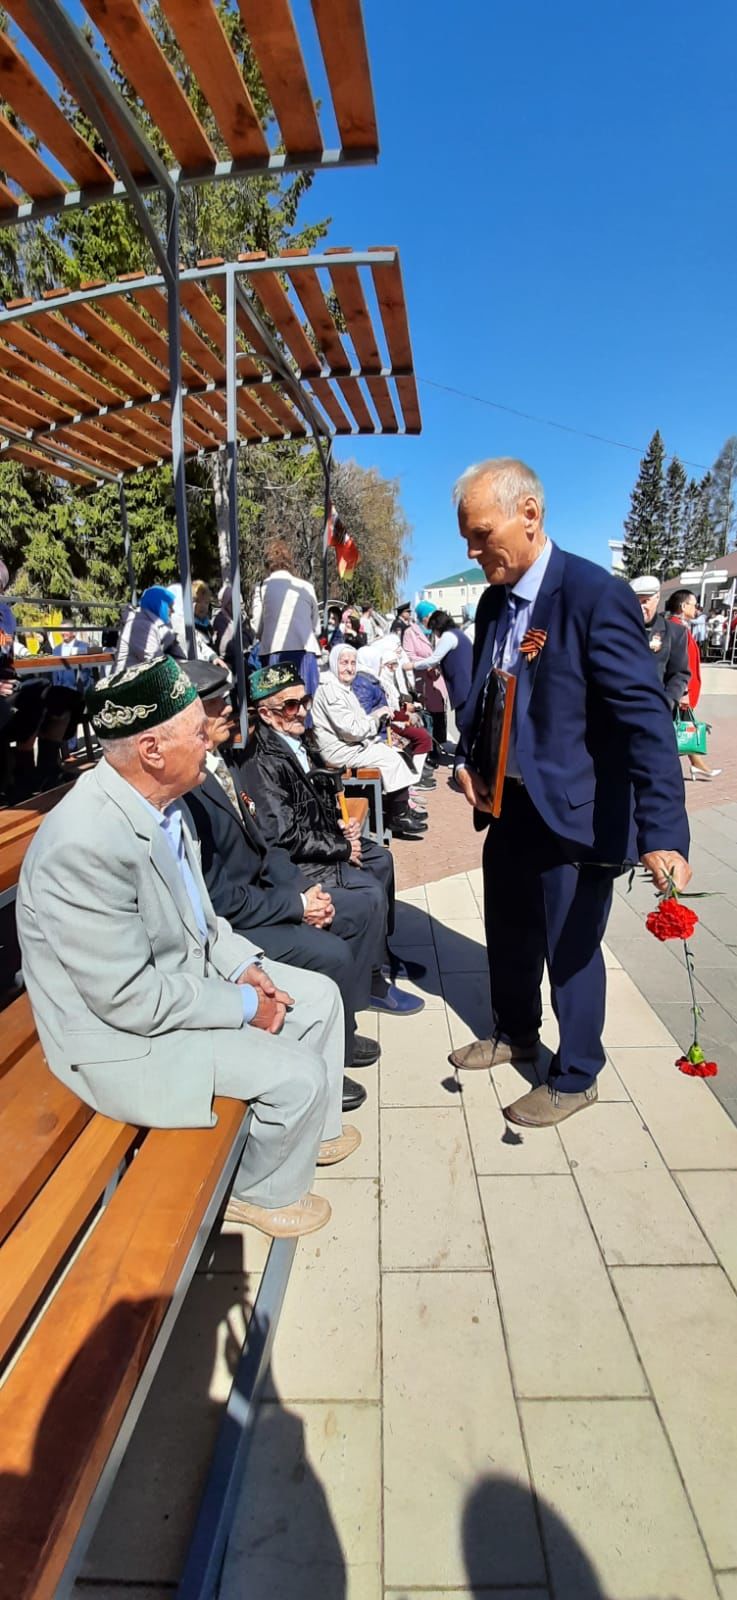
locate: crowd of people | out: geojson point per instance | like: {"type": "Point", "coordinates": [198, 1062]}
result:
{"type": "Point", "coordinates": [188, 889]}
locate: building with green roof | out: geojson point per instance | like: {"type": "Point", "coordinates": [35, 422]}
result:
{"type": "Point", "coordinates": [461, 589]}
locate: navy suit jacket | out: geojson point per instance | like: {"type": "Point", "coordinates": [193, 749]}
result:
{"type": "Point", "coordinates": [251, 884]}
{"type": "Point", "coordinates": [594, 732]}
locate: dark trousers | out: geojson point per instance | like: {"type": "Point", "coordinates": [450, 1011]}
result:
{"type": "Point", "coordinates": [318, 950]}
{"type": "Point", "coordinates": [364, 894]}
{"type": "Point", "coordinates": [540, 909]}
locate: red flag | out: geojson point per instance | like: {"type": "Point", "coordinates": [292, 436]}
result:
{"type": "Point", "coordinates": [347, 553]}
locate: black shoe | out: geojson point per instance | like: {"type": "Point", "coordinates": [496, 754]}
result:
{"type": "Point", "coordinates": [426, 781]}
{"type": "Point", "coordinates": [354, 1094]}
{"type": "Point", "coordinates": [365, 1051]}
{"type": "Point", "coordinates": [404, 829]}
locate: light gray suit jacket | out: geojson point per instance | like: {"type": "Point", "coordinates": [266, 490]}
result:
{"type": "Point", "coordinates": [129, 1005]}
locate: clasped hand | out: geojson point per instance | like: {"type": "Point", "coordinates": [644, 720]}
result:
{"type": "Point", "coordinates": [273, 1003]}
{"type": "Point", "coordinates": [319, 909]}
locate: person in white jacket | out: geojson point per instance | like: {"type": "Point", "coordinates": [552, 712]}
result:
{"type": "Point", "coordinates": [348, 736]}
{"type": "Point", "coordinates": [286, 617]}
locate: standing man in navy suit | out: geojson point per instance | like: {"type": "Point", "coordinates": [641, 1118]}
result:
{"type": "Point", "coordinates": [593, 781]}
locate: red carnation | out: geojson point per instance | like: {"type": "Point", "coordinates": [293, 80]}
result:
{"type": "Point", "coordinates": [672, 920]}
{"type": "Point", "coordinates": [697, 1069]}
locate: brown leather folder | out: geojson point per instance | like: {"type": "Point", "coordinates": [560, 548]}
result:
{"type": "Point", "coordinates": [489, 750]}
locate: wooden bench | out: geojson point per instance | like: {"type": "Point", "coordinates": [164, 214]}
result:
{"type": "Point", "coordinates": [358, 811]}
{"type": "Point", "coordinates": [18, 824]}
{"type": "Point", "coordinates": [144, 1203]}
{"type": "Point", "coordinates": [102, 1226]}
{"type": "Point", "coordinates": [368, 779]}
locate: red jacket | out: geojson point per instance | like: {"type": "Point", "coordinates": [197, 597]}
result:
{"type": "Point", "coordinates": [694, 662]}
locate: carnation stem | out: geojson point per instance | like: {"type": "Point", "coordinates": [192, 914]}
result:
{"type": "Point", "coordinates": [694, 1002]}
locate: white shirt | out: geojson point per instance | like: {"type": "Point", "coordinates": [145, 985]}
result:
{"type": "Point", "coordinates": [286, 615]}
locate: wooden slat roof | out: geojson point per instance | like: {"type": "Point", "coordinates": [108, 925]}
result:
{"type": "Point", "coordinates": [86, 372]}
{"type": "Point", "coordinates": [44, 157]}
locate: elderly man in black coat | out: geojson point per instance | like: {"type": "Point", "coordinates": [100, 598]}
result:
{"type": "Point", "coordinates": [297, 809]}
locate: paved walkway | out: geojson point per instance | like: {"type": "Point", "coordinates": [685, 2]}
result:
{"type": "Point", "coordinates": [508, 1365]}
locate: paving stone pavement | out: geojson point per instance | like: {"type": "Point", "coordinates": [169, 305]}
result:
{"type": "Point", "coordinates": [507, 1366]}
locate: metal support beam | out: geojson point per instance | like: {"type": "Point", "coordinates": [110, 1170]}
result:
{"type": "Point", "coordinates": [231, 451]}
{"type": "Point", "coordinates": [223, 172]}
{"type": "Point", "coordinates": [97, 95]}
{"type": "Point", "coordinates": [155, 280]}
{"type": "Point", "coordinates": [125, 525]}
{"type": "Point", "coordinates": [55, 452]}
{"type": "Point", "coordinates": [325, 548]}
{"type": "Point", "coordinates": [177, 418]}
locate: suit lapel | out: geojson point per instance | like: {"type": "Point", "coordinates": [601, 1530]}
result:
{"type": "Point", "coordinates": [145, 825]}
{"type": "Point", "coordinates": [485, 655]}
{"type": "Point", "coordinates": [539, 618]}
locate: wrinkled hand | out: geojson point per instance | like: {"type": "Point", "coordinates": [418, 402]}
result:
{"type": "Point", "coordinates": [356, 856]}
{"type": "Point", "coordinates": [319, 910]}
{"type": "Point", "coordinates": [664, 865]}
{"type": "Point", "coordinates": [7, 687]}
{"type": "Point", "coordinates": [684, 703]}
{"type": "Point", "coordinates": [272, 1002]}
{"type": "Point", "coordinates": [474, 788]}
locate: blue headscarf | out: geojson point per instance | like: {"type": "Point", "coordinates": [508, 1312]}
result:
{"type": "Point", "coordinates": [424, 610]}
{"type": "Point", "coordinates": [159, 601]}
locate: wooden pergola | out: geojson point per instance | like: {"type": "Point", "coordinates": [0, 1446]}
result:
{"type": "Point", "coordinates": [242, 146]}
{"type": "Point", "coordinates": [111, 378]}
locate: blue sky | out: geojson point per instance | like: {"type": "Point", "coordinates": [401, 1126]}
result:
{"type": "Point", "coordinates": [559, 179]}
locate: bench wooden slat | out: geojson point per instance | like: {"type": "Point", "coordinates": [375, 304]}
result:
{"type": "Point", "coordinates": [37, 1244]}
{"type": "Point", "coordinates": [39, 1120]}
{"type": "Point", "coordinates": [17, 1032]}
{"type": "Point", "coordinates": [65, 1398]}
{"type": "Point", "coordinates": [32, 810]}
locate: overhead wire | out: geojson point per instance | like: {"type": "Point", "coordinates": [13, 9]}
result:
{"type": "Point", "coordinates": [549, 422]}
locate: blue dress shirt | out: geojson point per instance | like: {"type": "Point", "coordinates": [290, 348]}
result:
{"type": "Point", "coordinates": [170, 822]}
{"type": "Point", "coordinates": [511, 629]}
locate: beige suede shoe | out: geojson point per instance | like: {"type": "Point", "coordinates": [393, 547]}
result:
{"type": "Point", "coordinates": [545, 1106]}
{"type": "Point", "coordinates": [334, 1150]}
{"type": "Point", "coordinates": [287, 1222]}
{"type": "Point", "coordinates": [483, 1054]}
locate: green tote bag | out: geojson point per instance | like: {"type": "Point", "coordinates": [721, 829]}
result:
{"type": "Point", "coordinates": [690, 734]}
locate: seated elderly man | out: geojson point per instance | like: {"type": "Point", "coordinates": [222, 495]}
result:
{"type": "Point", "coordinates": [296, 806]}
{"type": "Point", "coordinates": [260, 892]}
{"type": "Point", "coordinates": [147, 1004]}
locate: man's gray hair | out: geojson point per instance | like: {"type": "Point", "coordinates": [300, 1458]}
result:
{"type": "Point", "coordinates": [513, 480]}
{"type": "Point", "coordinates": [120, 752]}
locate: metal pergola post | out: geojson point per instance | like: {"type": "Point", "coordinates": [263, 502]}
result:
{"type": "Point", "coordinates": [125, 525]}
{"type": "Point", "coordinates": [326, 549]}
{"type": "Point", "coordinates": [176, 402]}
{"type": "Point", "coordinates": [231, 332]}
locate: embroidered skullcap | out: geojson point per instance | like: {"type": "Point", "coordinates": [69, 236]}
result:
{"type": "Point", "coordinates": [646, 585]}
{"type": "Point", "coordinates": [210, 678]}
{"type": "Point", "coordinates": [266, 681]}
{"type": "Point", "coordinates": [142, 697]}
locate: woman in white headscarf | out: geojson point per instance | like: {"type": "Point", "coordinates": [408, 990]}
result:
{"type": "Point", "coordinates": [376, 686]}
{"type": "Point", "coordinates": [347, 736]}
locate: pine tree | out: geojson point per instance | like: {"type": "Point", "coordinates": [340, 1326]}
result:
{"type": "Point", "coordinates": [644, 528]}
{"type": "Point", "coordinates": [723, 497]}
{"type": "Point", "coordinates": [675, 490]}
{"type": "Point", "coordinates": [705, 537]}
{"type": "Point", "coordinates": [690, 517]}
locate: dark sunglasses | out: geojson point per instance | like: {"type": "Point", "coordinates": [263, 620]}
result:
{"type": "Point", "coordinates": [289, 708]}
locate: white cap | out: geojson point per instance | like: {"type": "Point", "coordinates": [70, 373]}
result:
{"type": "Point", "coordinates": [646, 585]}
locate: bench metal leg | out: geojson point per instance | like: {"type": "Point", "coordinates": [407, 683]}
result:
{"type": "Point", "coordinates": [206, 1554]}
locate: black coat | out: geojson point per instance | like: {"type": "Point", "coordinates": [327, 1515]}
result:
{"type": "Point", "coordinates": [296, 811]}
{"type": "Point", "coordinates": [251, 884]}
{"type": "Point", "coordinates": [670, 656]}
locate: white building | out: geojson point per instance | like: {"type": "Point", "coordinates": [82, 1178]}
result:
{"type": "Point", "coordinates": [617, 548]}
{"type": "Point", "coordinates": [450, 594]}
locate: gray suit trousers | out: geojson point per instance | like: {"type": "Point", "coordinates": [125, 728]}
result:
{"type": "Point", "coordinates": [294, 1083]}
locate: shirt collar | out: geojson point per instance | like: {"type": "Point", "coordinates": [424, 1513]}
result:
{"type": "Point", "coordinates": [169, 818]}
{"type": "Point", "coordinates": [294, 744]}
{"type": "Point", "coordinates": [528, 586]}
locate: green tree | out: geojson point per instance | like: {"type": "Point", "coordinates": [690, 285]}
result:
{"type": "Point", "coordinates": [723, 497]}
{"type": "Point", "coordinates": [673, 522]}
{"type": "Point", "coordinates": [644, 527]}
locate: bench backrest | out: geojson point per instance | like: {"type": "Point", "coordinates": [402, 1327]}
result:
{"type": "Point", "coordinates": [69, 1381]}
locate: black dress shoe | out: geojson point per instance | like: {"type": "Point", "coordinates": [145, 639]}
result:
{"type": "Point", "coordinates": [365, 1051]}
{"type": "Point", "coordinates": [354, 1094]}
{"type": "Point", "coordinates": [408, 830]}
